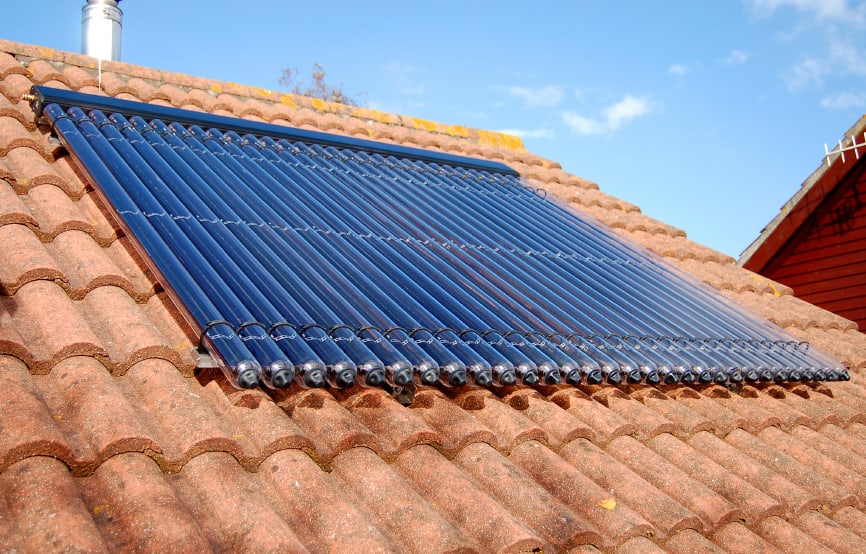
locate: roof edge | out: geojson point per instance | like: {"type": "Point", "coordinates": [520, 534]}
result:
{"type": "Point", "coordinates": [824, 179]}
{"type": "Point", "coordinates": [481, 136]}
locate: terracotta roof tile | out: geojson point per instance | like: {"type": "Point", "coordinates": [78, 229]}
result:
{"type": "Point", "coordinates": [129, 498]}
{"type": "Point", "coordinates": [713, 509]}
{"type": "Point", "coordinates": [43, 71]}
{"type": "Point", "coordinates": [397, 428]}
{"type": "Point", "coordinates": [754, 504]}
{"type": "Point", "coordinates": [57, 213]}
{"type": "Point", "coordinates": [640, 545]}
{"type": "Point", "coordinates": [789, 538]}
{"type": "Point", "coordinates": [222, 496]}
{"type": "Point", "coordinates": [688, 541]}
{"type": "Point", "coordinates": [9, 65]}
{"type": "Point", "coordinates": [737, 538]}
{"type": "Point", "coordinates": [78, 77]}
{"type": "Point", "coordinates": [851, 519]}
{"type": "Point", "coordinates": [466, 504]}
{"type": "Point", "coordinates": [648, 422]}
{"type": "Point", "coordinates": [13, 134]}
{"type": "Point", "coordinates": [456, 426]}
{"type": "Point", "coordinates": [851, 439]}
{"type": "Point", "coordinates": [88, 266]}
{"type": "Point", "coordinates": [625, 486]}
{"type": "Point", "coordinates": [92, 413]}
{"type": "Point", "coordinates": [554, 423]}
{"type": "Point", "coordinates": [605, 423]}
{"type": "Point", "coordinates": [47, 514]}
{"type": "Point", "coordinates": [29, 428]}
{"type": "Point", "coordinates": [31, 170]}
{"type": "Point", "coordinates": [184, 424]}
{"type": "Point", "coordinates": [791, 469]}
{"type": "Point", "coordinates": [850, 480]}
{"type": "Point", "coordinates": [51, 325]}
{"type": "Point", "coordinates": [830, 533]}
{"type": "Point", "coordinates": [687, 422]}
{"type": "Point", "coordinates": [113, 440]}
{"type": "Point", "coordinates": [12, 209]}
{"type": "Point", "coordinates": [751, 404]}
{"type": "Point", "coordinates": [790, 494]}
{"type": "Point", "coordinates": [24, 259]}
{"type": "Point", "coordinates": [328, 424]}
{"type": "Point", "coordinates": [15, 85]}
{"type": "Point", "coordinates": [390, 502]}
{"type": "Point", "coordinates": [723, 419]}
{"type": "Point", "coordinates": [507, 420]}
{"type": "Point", "coordinates": [616, 522]}
{"type": "Point", "coordinates": [316, 508]}
{"type": "Point", "coordinates": [17, 111]}
{"type": "Point", "coordinates": [523, 497]}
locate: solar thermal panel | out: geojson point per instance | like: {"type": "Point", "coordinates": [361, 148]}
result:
{"type": "Point", "coordinates": [320, 260]}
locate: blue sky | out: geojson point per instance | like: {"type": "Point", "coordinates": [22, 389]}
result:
{"type": "Point", "coordinates": [708, 115]}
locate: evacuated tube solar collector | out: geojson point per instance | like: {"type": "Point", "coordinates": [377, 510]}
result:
{"type": "Point", "coordinates": [303, 254]}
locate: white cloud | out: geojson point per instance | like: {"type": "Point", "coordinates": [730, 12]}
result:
{"type": "Point", "coordinates": [844, 101]}
{"type": "Point", "coordinates": [842, 60]}
{"type": "Point", "coordinates": [847, 58]}
{"type": "Point", "coordinates": [544, 97]}
{"type": "Point", "coordinates": [823, 9]}
{"type": "Point", "coordinates": [678, 69]}
{"type": "Point", "coordinates": [808, 73]}
{"type": "Point", "coordinates": [530, 134]}
{"type": "Point", "coordinates": [611, 119]}
{"type": "Point", "coordinates": [736, 57]}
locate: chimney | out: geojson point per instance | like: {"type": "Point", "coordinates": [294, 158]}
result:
{"type": "Point", "coordinates": [101, 21]}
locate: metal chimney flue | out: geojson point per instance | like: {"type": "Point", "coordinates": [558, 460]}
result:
{"type": "Point", "coordinates": [101, 23]}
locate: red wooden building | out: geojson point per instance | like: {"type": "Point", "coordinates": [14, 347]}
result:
{"type": "Point", "coordinates": [817, 243]}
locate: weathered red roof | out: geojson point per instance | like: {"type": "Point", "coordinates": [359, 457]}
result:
{"type": "Point", "coordinates": [112, 441]}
